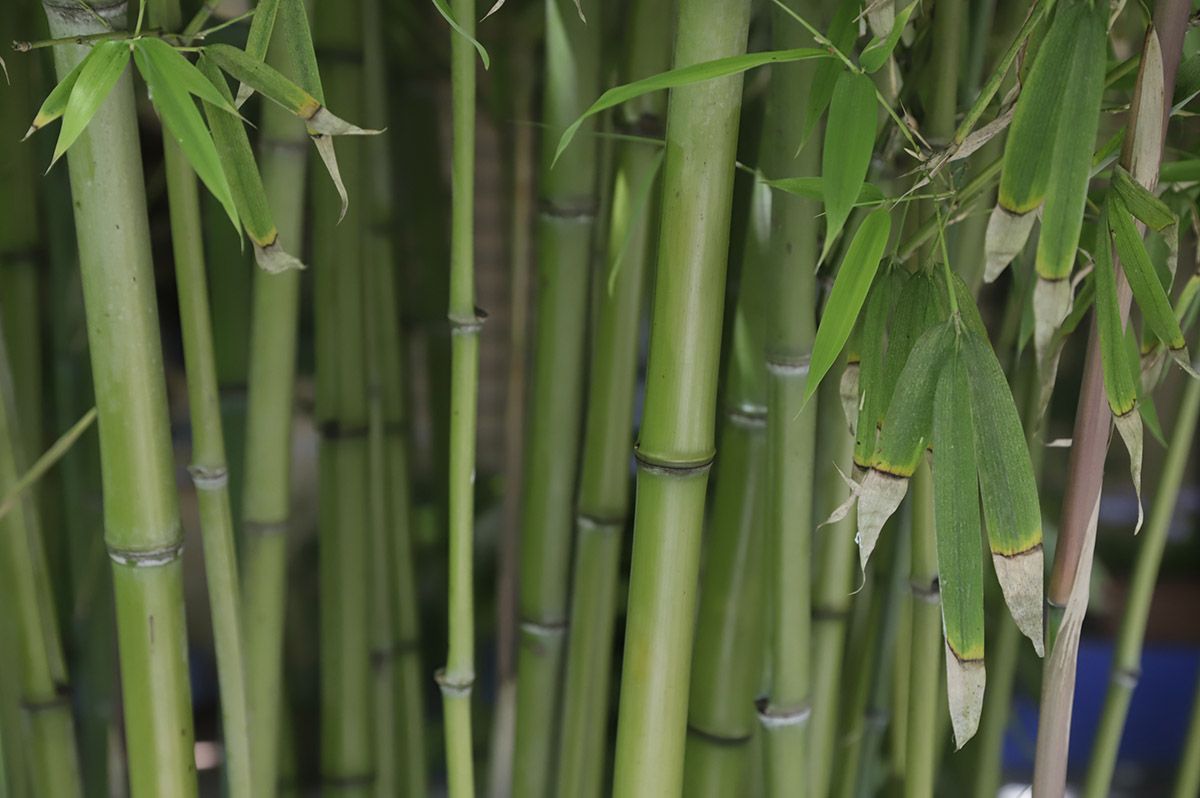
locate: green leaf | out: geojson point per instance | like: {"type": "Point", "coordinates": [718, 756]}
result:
{"type": "Point", "coordinates": [916, 310]}
{"type": "Point", "coordinates": [1147, 290]}
{"type": "Point", "coordinates": [1146, 207]}
{"type": "Point", "coordinates": [850, 287]}
{"type": "Point", "coordinates": [1120, 376]}
{"type": "Point", "coordinates": [1029, 148]}
{"type": "Point", "coordinates": [1071, 164]}
{"type": "Point", "coordinates": [846, 155]}
{"type": "Point", "coordinates": [638, 202]}
{"type": "Point", "coordinates": [814, 188]}
{"type": "Point", "coordinates": [878, 50]}
{"type": "Point", "coordinates": [102, 69]}
{"type": "Point", "coordinates": [684, 76]}
{"type": "Point", "coordinates": [448, 15]}
{"type": "Point", "coordinates": [1180, 171]}
{"type": "Point", "coordinates": [56, 101]}
{"type": "Point", "coordinates": [1008, 488]}
{"type": "Point", "coordinates": [959, 555]}
{"type": "Point", "coordinates": [1145, 401]}
{"type": "Point", "coordinates": [175, 69]}
{"type": "Point", "coordinates": [843, 29]}
{"type": "Point", "coordinates": [184, 124]}
{"type": "Point", "coordinates": [869, 399]}
{"type": "Point", "coordinates": [295, 36]}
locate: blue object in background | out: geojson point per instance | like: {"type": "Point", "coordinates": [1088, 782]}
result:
{"type": "Point", "coordinates": [1158, 714]}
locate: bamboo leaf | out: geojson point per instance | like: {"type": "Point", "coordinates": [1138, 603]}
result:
{"type": "Point", "coordinates": [1006, 235]}
{"type": "Point", "coordinates": [870, 403]}
{"type": "Point", "coordinates": [847, 155]}
{"type": "Point", "coordinates": [684, 76]}
{"type": "Point", "coordinates": [1144, 140]}
{"type": "Point", "coordinates": [1147, 289]}
{"type": "Point", "coordinates": [1120, 383]}
{"type": "Point", "coordinates": [1071, 164]}
{"type": "Point", "coordinates": [903, 438]}
{"type": "Point", "coordinates": [295, 35]}
{"type": "Point", "coordinates": [56, 101]}
{"type": "Point", "coordinates": [850, 287]}
{"type": "Point", "coordinates": [814, 188]}
{"type": "Point", "coordinates": [1144, 206]}
{"type": "Point", "coordinates": [1145, 401]}
{"type": "Point", "coordinates": [842, 32]}
{"type": "Point", "coordinates": [959, 556]}
{"type": "Point", "coordinates": [101, 70]}
{"type": "Point", "coordinates": [44, 463]}
{"type": "Point", "coordinates": [258, 39]}
{"type": "Point", "coordinates": [916, 310]}
{"type": "Point", "coordinates": [448, 15]}
{"type": "Point", "coordinates": [878, 50]}
{"type": "Point", "coordinates": [1010, 500]}
{"type": "Point", "coordinates": [266, 80]}
{"type": "Point", "coordinates": [174, 68]}
{"type": "Point", "coordinates": [183, 122]}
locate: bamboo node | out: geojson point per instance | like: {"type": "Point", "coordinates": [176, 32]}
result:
{"type": "Point", "coordinates": [579, 211]}
{"type": "Point", "coordinates": [206, 478]}
{"type": "Point", "coordinates": [781, 717]}
{"type": "Point", "coordinates": [1127, 677]}
{"type": "Point", "coordinates": [668, 468]}
{"type": "Point", "coordinates": [453, 687]}
{"type": "Point", "coordinates": [748, 416]}
{"type": "Point", "coordinates": [543, 630]}
{"type": "Point", "coordinates": [782, 366]}
{"type": "Point", "coordinates": [599, 523]}
{"type": "Point", "coordinates": [34, 706]}
{"type": "Point", "coordinates": [928, 593]}
{"type": "Point", "coordinates": [460, 325]}
{"type": "Point", "coordinates": [146, 558]}
{"type": "Point", "coordinates": [266, 529]}
{"type": "Point", "coordinates": [722, 740]}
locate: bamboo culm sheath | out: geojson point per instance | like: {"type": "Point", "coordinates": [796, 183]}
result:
{"type": "Point", "coordinates": [677, 438]}
{"type": "Point", "coordinates": [141, 513]}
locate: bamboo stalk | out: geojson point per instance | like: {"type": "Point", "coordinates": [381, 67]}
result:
{"type": "Point", "coordinates": [348, 762]}
{"type": "Point", "coordinates": [266, 492]}
{"type": "Point", "coordinates": [401, 642]}
{"type": "Point", "coordinates": [676, 446]}
{"type": "Point", "coordinates": [47, 741]}
{"type": "Point", "coordinates": [1127, 653]}
{"type": "Point", "coordinates": [566, 216]}
{"type": "Point", "coordinates": [142, 529]}
{"type": "Point", "coordinates": [1187, 781]}
{"type": "Point", "coordinates": [209, 471]}
{"type": "Point", "coordinates": [604, 499]}
{"type": "Point", "coordinates": [728, 655]}
{"type": "Point", "coordinates": [1093, 424]}
{"type": "Point", "coordinates": [458, 676]}
{"type": "Point", "coordinates": [791, 437]}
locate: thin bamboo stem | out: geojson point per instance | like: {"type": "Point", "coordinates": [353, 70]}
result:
{"type": "Point", "coordinates": [604, 498]}
{"type": "Point", "coordinates": [791, 438]}
{"type": "Point", "coordinates": [1127, 653]}
{"type": "Point", "coordinates": [1093, 425]}
{"type": "Point", "coordinates": [348, 761]}
{"type": "Point", "coordinates": [400, 643]}
{"type": "Point", "coordinates": [1187, 781]}
{"type": "Point", "coordinates": [209, 470]}
{"type": "Point", "coordinates": [458, 676]}
{"type": "Point", "coordinates": [142, 529]}
{"type": "Point", "coordinates": [266, 492]}
{"type": "Point", "coordinates": [926, 657]}
{"type": "Point", "coordinates": [47, 741]}
{"type": "Point", "coordinates": [565, 222]}
{"type": "Point", "coordinates": [677, 439]}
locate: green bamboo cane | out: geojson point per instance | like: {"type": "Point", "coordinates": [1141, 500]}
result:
{"type": "Point", "coordinates": [565, 222]}
{"type": "Point", "coordinates": [1187, 781]}
{"type": "Point", "coordinates": [458, 676]}
{"type": "Point", "coordinates": [47, 742]}
{"type": "Point", "coordinates": [209, 471]}
{"type": "Point", "coordinates": [604, 499]}
{"type": "Point", "coordinates": [401, 643]}
{"type": "Point", "coordinates": [727, 659]}
{"type": "Point", "coordinates": [676, 446]}
{"type": "Point", "coordinates": [1127, 653]}
{"type": "Point", "coordinates": [142, 530]}
{"type": "Point", "coordinates": [791, 434]}
{"type": "Point", "coordinates": [266, 494]}
{"type": "Point", "coordinates": [348, 761]}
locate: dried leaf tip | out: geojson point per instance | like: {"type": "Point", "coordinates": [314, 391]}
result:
{"type": "Point", "coordinates": [273, 259]}
{"type": "Point", "coordinates": [965, 683]}
{"type": "Point", "coordinates": [1006, 235]}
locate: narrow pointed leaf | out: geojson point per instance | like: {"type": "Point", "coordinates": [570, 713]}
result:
{"type": "Point", "coordinates": [1120, 384]}
{"type": "Point", "coordinates": [814, 188]}
{"type": "Point", "coordinates": [181, 73]}
{"type": "Point", "coordinates": [1145, 207]}
{"type": "Point", "coordinates": [878, 50]}
{"type": "Point", "coordinates": [872, 333]}
{"type": "Point", "coordinates": [906, 431]}
{"type": "Point", "coordinates": [683, 76]}
{"type": "Point", "coordinates": [916, 310]}
{"type": "Point", "coordinates": [55, 103]}
{"type": "Point", "coordinates": [1145, 401]}
{"type": "Point", "coordinates": [101, 71]}
{"type": "Point", "coordinates": [846, 155]}
{"type": "Point", "coordinates": [1071, 164]}
{"type": "Point", "coordinates": [850, 287]}
{"type": "Point", "coordinates": [448, 15]}
{"type": "Point", "coordinates": [183, 122]}
{"type": "Point", "coordinates": [1010, 500]}
{"type": "Point", "coordinates": [843, 30]}
{"type": "Point", "coordinates": [258, 38]}
{"type": "Point", "coordinates": [959, 555]}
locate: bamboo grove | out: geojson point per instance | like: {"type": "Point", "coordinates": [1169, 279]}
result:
{"type": "Point", "coordinates": [654, 397]}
